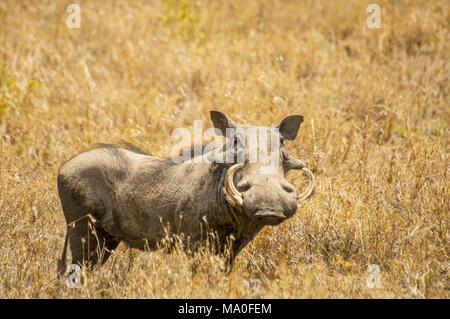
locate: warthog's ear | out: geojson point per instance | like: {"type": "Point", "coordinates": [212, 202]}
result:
{"type": "Point", "coordinates": [221, 122]}
{"type": "Point", "coordinates": [289, 126]}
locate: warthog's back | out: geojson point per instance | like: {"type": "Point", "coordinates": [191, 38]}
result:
{"type": "Point", "coordinates": [93, 179]}
{"type": "Point", "coordinates": [112, 160]}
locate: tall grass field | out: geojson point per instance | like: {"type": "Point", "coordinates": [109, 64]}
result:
{"type": "Point", "coordinates": [376, 105]}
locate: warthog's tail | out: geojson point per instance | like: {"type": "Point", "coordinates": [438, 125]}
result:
{"type": "Point", "coordinates": [62, 261]}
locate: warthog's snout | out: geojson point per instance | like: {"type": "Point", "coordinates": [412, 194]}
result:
{"type": "Point", "coordinates": [268, 199]}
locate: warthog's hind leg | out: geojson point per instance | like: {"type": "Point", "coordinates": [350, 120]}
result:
{"type": "Point", "coordinates": [106, 245]}
{"type": "Point", "coordinates": [89, 243]}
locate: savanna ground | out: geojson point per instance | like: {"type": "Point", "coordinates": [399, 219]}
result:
{"type": "Point", "coordinates": [376, 110]}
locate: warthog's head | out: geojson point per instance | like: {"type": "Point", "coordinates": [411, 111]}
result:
{"type": "Point", "coordinates": [255, 181]}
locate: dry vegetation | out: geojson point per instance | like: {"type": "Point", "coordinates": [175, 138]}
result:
{"type": "Point", "coordinates": [376, 110]}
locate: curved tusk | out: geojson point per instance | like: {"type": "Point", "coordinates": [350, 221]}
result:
{"type": "Point", "coordinates": [232, 195]}
{"type": "Point", "coordinates": [311, 185]}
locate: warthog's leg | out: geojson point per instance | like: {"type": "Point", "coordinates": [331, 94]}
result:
{"type": "Point", "coordinates": [89, 243]}
{"type": "Point", "coordinates": [106, 245]}
{"type": "Point", "coordinates": [239, 244]}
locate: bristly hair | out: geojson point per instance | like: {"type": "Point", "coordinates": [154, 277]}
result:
{"type": "Point", "coordinates": [122, 145]}
{"type": "Point", "coordinates": [114, 148]}
{"type": "Point", "coordinates": [192, 150]}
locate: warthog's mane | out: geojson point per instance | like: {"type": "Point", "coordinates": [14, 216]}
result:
{"type": "Point", "coordinates": [122, 145]}
{"type": "Point", "coordinates": [115, 149]}
{"type": "Point", "coordinates": [194, 150]}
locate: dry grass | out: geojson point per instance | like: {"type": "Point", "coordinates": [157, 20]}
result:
{"type": "Point", "coordinates": [377, 115]}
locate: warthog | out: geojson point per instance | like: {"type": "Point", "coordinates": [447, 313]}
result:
{"type": "Point", "coordinates": [116, 193]}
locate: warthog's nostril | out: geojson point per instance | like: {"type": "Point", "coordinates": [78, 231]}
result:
{"type": "Point", "coordinates": [287, 187]}
{"type": "Point", "coordinates": [243, 186]}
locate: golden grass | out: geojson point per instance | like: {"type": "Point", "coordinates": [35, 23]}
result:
{"type": "Point", "coordinates": [376, 110]}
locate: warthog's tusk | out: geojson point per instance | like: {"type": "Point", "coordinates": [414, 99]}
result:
{"type": "Point", "coordinates": [232, 195]}
{"type": "Point", "coordinates": [294, 163]}
{"type": "Point", "coordinates": [311, 185]}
